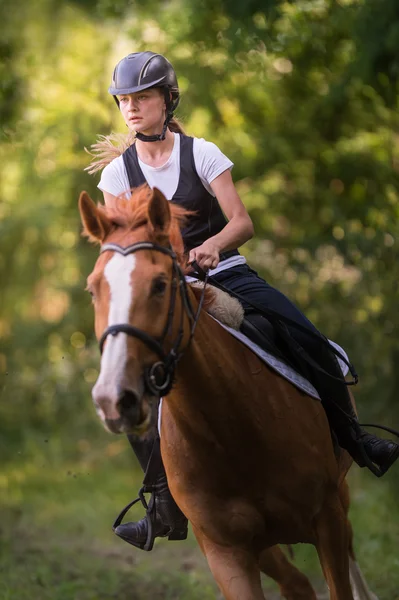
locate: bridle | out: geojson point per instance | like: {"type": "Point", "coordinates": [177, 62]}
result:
{"type": "Point", "coordinates": [159, 376]}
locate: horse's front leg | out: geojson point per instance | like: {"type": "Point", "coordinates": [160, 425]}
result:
{"type": "Point", "coordinates": [235, 570]}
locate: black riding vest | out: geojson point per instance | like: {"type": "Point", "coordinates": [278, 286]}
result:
{"type": "Point", "coordinates": [208, 219]}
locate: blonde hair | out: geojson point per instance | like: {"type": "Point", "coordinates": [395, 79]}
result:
{"type": "Point", "coordinates": [108, 147]}
{"type": "Point", "coordinates": [176, 126]}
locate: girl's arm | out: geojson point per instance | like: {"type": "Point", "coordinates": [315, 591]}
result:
{"type": "Point", "coordinates": [237, 231]}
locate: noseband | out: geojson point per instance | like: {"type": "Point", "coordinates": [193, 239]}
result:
{"type": "Point", "coordinates": [159, 376]}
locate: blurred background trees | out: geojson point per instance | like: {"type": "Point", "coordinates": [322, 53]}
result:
{"type": "Point", "coordinates": [302, 96]}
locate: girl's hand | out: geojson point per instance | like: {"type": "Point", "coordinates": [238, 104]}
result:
{"type": "Point", "coordinates": [206, 255]}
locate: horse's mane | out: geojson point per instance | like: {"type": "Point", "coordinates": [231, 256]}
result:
{"type": "Point", "coordinates": [133, 213]}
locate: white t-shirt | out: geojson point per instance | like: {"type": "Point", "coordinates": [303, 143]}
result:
{"type": "Point", "coordinates": [209, 162]}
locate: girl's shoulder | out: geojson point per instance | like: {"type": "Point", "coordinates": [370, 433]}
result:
{"type": "Point", "coordinates": [209, 160]}
{"type": "Point", "coordinates": [114, 178]}
{"type": "Point", "coordinates": [205, 150]}
{"type": "Point", "coordinates": [203, 145]}
{"type": "Point", "coordinates": [115, 165]}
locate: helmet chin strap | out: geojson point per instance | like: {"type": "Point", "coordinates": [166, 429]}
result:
{"type": "Point", "coordinates": [159, 137]}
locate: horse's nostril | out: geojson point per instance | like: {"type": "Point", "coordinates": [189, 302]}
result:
{"type": "Point", "coordinates": [129, 405]}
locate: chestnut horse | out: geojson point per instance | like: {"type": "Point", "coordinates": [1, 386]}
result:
{"type": "Point", "coordinates": [249, 457]}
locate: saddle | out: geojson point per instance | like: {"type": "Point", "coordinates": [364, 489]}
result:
{"type": "Point", "coordinates": [260, 331]}
{"type": "Point", "coordinates": [269, 330]}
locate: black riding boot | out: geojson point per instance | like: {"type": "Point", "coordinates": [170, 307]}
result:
{"type": "Point", "coordinates": [366, 449]}
{"type": "Point", "coordinates": [164, 518]}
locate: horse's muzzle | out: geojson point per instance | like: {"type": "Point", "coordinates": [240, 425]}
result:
{"type": "Point", "coordinates": [129, 407]}
{"type": "Point", "coordinates": [134, 414]}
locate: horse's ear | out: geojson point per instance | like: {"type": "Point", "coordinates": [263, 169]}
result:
{"type": "Point", "coordinates": [159, 213]}
{"type": "Point", "coordinates": [96, 226]}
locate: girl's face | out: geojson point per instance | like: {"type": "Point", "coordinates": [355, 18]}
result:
{"type": "Point", "coordinates": [144, 111]}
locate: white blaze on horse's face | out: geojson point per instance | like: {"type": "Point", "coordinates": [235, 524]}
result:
{"type": "Point", "coordinates": [118, 273]}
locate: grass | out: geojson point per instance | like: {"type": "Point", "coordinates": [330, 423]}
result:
{"type": "Point", "coordinates": [59, 496]}
{"type": "Point", "coordinates": [59, 499]}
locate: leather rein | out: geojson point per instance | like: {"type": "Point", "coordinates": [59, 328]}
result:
{"type": "Point", "coordinates": [159, 376]}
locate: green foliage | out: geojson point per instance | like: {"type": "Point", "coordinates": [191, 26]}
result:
{"type": "Point", "coordinates": [303, 98]}
{"type": "Point", "coordinates": [61, 494]}
{"type": "Point", "coordinates": [56, 543]}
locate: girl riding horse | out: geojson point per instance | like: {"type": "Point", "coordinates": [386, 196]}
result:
{"type": "Point", "coordinates": [196, 175]}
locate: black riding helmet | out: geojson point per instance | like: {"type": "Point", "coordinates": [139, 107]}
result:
{"type": "Point", "coordinates": [143, 70]}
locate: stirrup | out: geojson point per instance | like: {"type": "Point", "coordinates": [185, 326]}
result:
{"type": "Point", "coordinates": [149, 516]}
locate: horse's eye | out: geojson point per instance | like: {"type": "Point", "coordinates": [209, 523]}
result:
{"type": "Point", "coordinates": [158, 287]}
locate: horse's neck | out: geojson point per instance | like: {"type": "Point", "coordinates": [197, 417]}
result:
{"type": "Point", "coordinates": [216, 406]}
{"type": "Point", "coordinates": [208, 353]}
{"type": "Point", "coordinates": [210, 371]}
